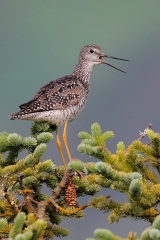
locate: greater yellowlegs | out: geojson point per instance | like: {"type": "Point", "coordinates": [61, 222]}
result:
{"type": "Point", "coordinates": [61, 100]}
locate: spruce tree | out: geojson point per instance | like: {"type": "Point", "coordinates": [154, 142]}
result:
{"type": "Point", "coordinates": [26, 213]}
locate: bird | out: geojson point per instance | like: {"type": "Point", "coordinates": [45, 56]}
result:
{"type": "Point", "coordinates": [61, 100]}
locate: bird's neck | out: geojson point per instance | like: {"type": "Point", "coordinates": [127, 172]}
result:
{"type": "Point", "coordinates": [83, 71]}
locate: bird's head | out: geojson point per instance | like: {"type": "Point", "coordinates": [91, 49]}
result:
{"type": "Point", "coordinates": [94, 55]}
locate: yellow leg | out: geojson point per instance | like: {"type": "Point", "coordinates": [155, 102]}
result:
{"type": "Point", "coordinates": [59, 144]}
{"type": "Point", "coordinates": [64, 137]}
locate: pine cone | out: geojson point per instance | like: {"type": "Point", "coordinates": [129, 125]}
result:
{"type": "Point", "coordinates": [70, 193]}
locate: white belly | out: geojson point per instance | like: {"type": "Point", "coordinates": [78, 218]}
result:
{"type": "Point", "coordinates": [56, 117]}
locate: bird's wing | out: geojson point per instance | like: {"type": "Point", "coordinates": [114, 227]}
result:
{"type": "Point", "coordinates": [59, 94]}
{"type": "Point", "coordinates": [40, 92]}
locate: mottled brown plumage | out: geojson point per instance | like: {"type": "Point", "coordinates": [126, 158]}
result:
{"type": "Point", "coordinates": [61, 100]}
{"type": "Point", "coordinates": [66, 94]}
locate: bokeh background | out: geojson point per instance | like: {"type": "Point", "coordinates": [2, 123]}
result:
{"type": "Point", "coordinates": [40, 41]}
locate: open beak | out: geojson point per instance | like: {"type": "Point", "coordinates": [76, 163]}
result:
{"type": "Point", "coordinates": [107, 56]}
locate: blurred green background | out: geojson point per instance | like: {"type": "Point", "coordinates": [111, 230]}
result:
{"type": "Point", "coordinates": [41, 40]}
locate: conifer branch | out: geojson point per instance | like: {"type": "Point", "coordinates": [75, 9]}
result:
{"type": "Point", "coordinates": [61, 186]}
{"type": "Point", "coordinates": [132, 170]}
{"type": "Point", "coordinates": [144, 133]}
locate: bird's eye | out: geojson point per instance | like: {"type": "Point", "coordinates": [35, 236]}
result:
{"type": "Point", "coordinates": [91, 51]}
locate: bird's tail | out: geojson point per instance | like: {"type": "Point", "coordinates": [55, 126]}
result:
{"type": "Point", "coordinates": [17, 115]}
